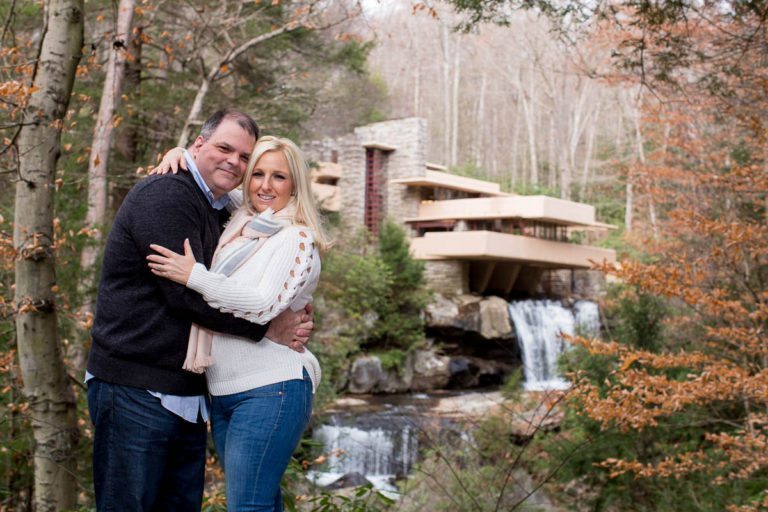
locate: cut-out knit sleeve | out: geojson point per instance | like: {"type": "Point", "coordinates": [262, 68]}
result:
{"type": "Point", "coordinates": [287, 272]}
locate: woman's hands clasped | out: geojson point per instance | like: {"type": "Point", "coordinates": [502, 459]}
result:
{"type": "Point", "coordinates": [171, 265]}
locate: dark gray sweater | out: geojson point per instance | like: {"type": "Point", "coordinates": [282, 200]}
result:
{"type": "Point", "coordinates": [142, 322]}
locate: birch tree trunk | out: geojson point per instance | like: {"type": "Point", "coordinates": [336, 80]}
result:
{"type": "Point", "coordinates": [587, 164]}
{"type": "Point", "coordinates": [455, 106]}
{"type": "Point", "coordinates": [515, 147]}
{"type": "Point", "coordinates": [96, 216]}
{"type": "Point", "coordinates": [446, 94]}
{"type": "Point", "coordinates": [46, 387]}
{"type": "Point", "coordinates": [527, 99]}
{"type": "Point", "coordinates": [640, 152]}
{"type": "Point", "coordinates": [480, 140]}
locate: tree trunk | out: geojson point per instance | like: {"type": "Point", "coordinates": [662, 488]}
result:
{"type": "Point", "coordinates": [639, 145]}
{"type": "Point", "coordinates": [587, 164]}
{"type": "Point", "coordinates": [46, 386]}
{"type": "Point", "coordinates": [515, 166]}
{"type": "Point", "coordinates": [528, 100]}
{"type": "Point", "coordinates": [446, 95]}
{"type": "Point", "coordinates": [417, 91]}
{"type": "Point", "coordinates": [195, 112]}
{"type": "Point", "coordinates": [455, 106]}
{"type": "Point", "coordinates": [630, 201]}
{"type": "Point", "coordinates": [479, 138]}
{"type": "Point", "coordinates": [96, 216]}
{"type": "Point", "coordinates": [126, 142]}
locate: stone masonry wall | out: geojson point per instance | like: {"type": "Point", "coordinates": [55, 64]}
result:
{"type": "Point", "coordinates": [408, 160]}
{"type": "Point", "coordinates": [446, 277]}
{"type": "Point", "coordinates": [407, 136]}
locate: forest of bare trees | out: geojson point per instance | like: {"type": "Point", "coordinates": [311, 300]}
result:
{"type": "Point", "coordinates": [514, 103]}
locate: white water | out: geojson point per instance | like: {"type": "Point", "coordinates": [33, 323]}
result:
{"type": "Point", "coordinates": [379, 454]}
{"type": "Point", "coordinates": [539, 325]}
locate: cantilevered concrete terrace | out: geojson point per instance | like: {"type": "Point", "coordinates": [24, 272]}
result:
{"type": "Point", "coordinates": [504, 240]}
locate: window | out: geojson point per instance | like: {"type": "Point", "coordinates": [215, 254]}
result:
{"type": "Point", "coordinates": [375, 181]}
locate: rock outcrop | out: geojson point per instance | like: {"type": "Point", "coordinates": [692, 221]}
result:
{"type": "Point", "coordinates": [487, 316]}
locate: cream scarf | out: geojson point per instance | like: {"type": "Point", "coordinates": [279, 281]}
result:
{"type": "Point", "coordinates": [257, 228]}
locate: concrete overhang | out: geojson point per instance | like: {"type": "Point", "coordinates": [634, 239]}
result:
{"type": "Point", "coordinates": [438, 179]}
{"type": "Point", "coordinates": [436, 167]}
{"type": "Point", "coordinates": [488, 245]}
{"type": "Point", "coordinates": [372, 144]}
{"type": "Point", "coordinates": [541, 208]}
{"type": "Point", "coordinates": [326, 170]}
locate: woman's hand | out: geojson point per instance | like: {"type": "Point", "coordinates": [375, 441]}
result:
{"type": "Point", "coordinates": [172, 161]}
{"type": "Point", "coordinates": [171, 265]}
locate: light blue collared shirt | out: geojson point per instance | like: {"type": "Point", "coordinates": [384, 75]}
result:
{"type": "Point", "coordinates": [217, 204]}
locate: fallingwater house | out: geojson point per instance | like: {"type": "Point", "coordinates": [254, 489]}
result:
{"type": "Point", "coordinates": [473, 237]}
{"type": "Point", "coordinates": [484, 250]}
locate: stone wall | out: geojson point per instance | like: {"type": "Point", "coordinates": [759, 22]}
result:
{"type": "Point", "coordinates": [572, 284]}
{"type": "Point", "coordinates": [352, 182]}
{"type": "Point", "coordinates": [408, 137]}
{"type": "Point", "coordinates": [448, 277]}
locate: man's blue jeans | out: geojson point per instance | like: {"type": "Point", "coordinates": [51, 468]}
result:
{"type": "Point", "coordinates": [256, 433]}
{"type": "Point", "coordinates": [145, 458]}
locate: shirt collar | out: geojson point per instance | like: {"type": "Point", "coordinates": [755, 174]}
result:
{"type": "Point", "coordinates": [217, 204]}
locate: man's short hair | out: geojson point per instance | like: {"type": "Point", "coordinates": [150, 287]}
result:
{"type": "Point", "coordinates": [245, 121]}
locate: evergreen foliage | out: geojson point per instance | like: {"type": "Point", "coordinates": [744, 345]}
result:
{"type": "Point", "coordinates": [369, 298]}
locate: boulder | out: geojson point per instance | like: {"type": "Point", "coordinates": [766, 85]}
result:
{"type": "Point", "coordinates": [396, 380]}
{"type": "Point", "coordinates": [526, 424]}
{"type": "Point", "coordinates": [353, 479]}
{"type": "Point", "coordinates": [494, 318]}
{"type": "Point", "coordinates": [442, 313]}
{"type": "Point", "coordinates": [365, 374]}
{"type": "Point", "coordinates": [430, 370]}
{"type": "Point", "coordinates": [488, 316]}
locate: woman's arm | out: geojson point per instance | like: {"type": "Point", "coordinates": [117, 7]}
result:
{"type": "Point", "coordinates": [172, 161]}
{"type": "Point", "coordinates": [293, 264]}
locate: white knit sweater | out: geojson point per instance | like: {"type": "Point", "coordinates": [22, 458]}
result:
{"type": "Point", "coordinates": [282, 273]}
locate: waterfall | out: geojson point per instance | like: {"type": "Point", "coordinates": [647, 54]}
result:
{"type": "Point", "coordinates": [539, 325]}
{"type": "Point", "coordinates": [375, 452]}
{"type": "Point", "coordinates": [377, 446]}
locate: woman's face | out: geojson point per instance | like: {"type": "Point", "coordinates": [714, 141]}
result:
{"type": "Point", "coordinates": [271, 184]}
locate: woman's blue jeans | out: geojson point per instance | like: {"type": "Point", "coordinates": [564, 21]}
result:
{"type": "Point", "coordinates": [255, 433]}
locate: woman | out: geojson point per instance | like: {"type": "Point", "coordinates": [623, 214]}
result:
{"type": "Point", "coordinates": [267, 260]}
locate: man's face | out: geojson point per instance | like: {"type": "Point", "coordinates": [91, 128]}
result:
{"type": "Point", "coordinates": [223, 157]}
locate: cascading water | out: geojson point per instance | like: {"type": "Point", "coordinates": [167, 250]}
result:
{"type": "Point", "coordinates": [539, 325]}
{"type": "Point", "coordinates": [376, 452]}
{"type": "Point", "coordinates": [377, 446]}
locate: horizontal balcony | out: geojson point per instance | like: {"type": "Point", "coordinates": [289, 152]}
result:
{"type": "Point", "coordinates": [492, 246]}
{"type": "Point", "coordinates": [540, 208]}
{"type": "Point", "coordinates": [443, 180]}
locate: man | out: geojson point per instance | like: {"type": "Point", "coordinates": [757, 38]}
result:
{"type": "Point", "coordinates": [149, 414]}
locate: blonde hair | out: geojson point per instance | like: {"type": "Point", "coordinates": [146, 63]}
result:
{"type": "Point", "coordinates": [307, 213]}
